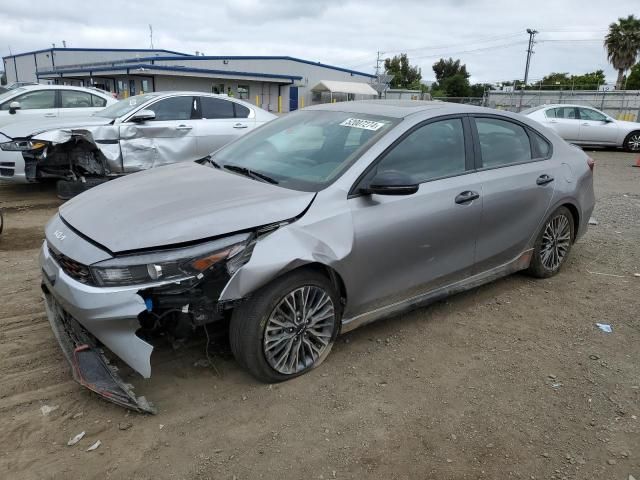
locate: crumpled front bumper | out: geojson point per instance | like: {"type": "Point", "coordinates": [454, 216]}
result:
{"type": "Point", "coordinates": [80, 315]}
{"type": "Point", "coordinates": [12, 167]}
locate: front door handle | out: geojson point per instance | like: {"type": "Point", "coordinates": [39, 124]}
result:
{"type": "Point", "coordinates": [467, 196]}
{"type": "Point", "coordinates": [544, 179]}
{"type": "Point", "coordinates": [240, 125]}
{"type": "Point", "coordinates": [553, 121]}
{"type": "Point", "coordinates": [49, 115]}
{"type": "Point", "coordinates": [184, 127]}
{"type": "Point", "coordinates": [585, 124]}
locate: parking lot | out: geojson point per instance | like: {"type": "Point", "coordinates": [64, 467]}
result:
{"type": "Point", "coordinates": [511, 380]}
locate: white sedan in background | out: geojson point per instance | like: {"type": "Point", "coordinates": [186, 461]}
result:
{"type": "Point", "coordinates": [39, 102]}
{"type": "Point", "coordinates": [587, 126]}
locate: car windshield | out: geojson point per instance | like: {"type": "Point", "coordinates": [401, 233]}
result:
{"type": "Point", "coordinates": [123, 106]}
{"type": "Point", "coordinates": [11, 93]}
{"type": "Point", "coordinates": [305, 150]}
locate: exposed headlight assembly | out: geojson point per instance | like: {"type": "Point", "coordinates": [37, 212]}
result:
{"type": "Point", "coordinates": [22, 146]}
{"type": "Point", "coordinates": [175, 264]}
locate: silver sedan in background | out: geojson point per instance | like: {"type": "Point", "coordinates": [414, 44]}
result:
{"type": "Point", "coordinates": [133, 134]}
{"type": "Point", "coordinates": [587, 126]}
{"type": "Point", "coordinates": [317, 223]}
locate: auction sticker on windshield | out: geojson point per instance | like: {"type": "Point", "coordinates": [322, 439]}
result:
{"type": "Point", "coordinates": [361, 123]}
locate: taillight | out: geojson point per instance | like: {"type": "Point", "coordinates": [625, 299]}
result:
{"type": "Point", "coordinates": [591, 162]}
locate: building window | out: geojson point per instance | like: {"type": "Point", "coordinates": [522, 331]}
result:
{"type": "Point", "coordinates": [144, 88]}
{"type": "Point", "coordinates": [243, 92]}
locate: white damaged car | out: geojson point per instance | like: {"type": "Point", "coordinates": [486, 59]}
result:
{"type": "Point", "coordinates": [134, 134]}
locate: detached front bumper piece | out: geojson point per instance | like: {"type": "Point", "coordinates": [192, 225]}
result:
{"type": "Point", "coordinates": [89, 365]}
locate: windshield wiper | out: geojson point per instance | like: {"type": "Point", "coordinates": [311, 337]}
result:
{"type": "Point", "coordinates": [251, 173]}
{"type": "Point", "coordinates": [210, 160]}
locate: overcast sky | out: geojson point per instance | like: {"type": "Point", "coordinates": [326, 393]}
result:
{"type": "Point", "coordinates": [488, 35]}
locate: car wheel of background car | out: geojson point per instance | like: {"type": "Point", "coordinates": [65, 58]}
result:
{"type": "Point", "coordinates": [632, 142]}
{"type": "Point", "coordinates": [67, 189]}
{"type": "Point", "coordinates": [553, 244]}
{"type": "Point", "coordinates": [287, 327]}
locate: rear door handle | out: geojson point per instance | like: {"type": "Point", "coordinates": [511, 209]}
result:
{"type": "Point", "coordinates": [240, 125]}
{"type": "Point", "coordinates": [49, 115]}
{"type": "Point", "coordinates": [184, 127]}
{"type": "Point", "coordinates": [553, 121]}
{"type": "Point", "coordinates": [544, 179]}
{"type": "Point", "coordinates": [585, 124]}
{"type": "Point", "coordinates": [467, 196]}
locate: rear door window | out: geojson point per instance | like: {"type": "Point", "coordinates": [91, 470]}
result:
{"type": "Point", "coordinates": [175, 108]}
{"type": "Point", "coordinates": [75, 99]}
{"type": "Point", "coordinates": [216, 108]}
{"type": "Point", "coordinates": [97, 101]}
{"type": "Point", "coordinates": [502, 142]}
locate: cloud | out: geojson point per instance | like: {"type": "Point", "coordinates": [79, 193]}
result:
{"type": "Point", "coordinates": [487, 35]}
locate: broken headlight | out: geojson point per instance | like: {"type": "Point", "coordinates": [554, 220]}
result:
{"type": "Point", "coordinates": [175, 264]}
{"type": "Point", "coordinates": [21, 146]}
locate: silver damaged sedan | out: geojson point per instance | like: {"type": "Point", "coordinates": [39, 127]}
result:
{"type": "Point", "coordinates": [314, 224]}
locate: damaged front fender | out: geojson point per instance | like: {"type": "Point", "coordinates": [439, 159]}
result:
{"type": "Point", "coordinates": [326, 241]}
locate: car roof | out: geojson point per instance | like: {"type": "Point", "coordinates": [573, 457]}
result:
{"type": "Point", "coordinates": [556, 105]}
{"type": "Point", "coordinates": [61, 87]}
{"type": "Point", "coordinates": [405, 108]}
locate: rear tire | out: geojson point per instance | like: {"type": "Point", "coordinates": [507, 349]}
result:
{"type": "Point", "coordinates": [632, 142]}
{"type": "Point", "coordinates": [287, 327]}
{"type": "Point", "coordinates": [553, 244]}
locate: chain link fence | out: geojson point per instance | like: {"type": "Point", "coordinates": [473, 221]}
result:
{"type": "Point", "coordinates": [623, 105]}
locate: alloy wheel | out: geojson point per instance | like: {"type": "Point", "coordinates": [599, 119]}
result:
{"type": "Point", "coordinates": [556, 240]}
{"type": "Point", "coordinates": [634, 142]}
{"type": "Point", "coordinates": [299, 330]}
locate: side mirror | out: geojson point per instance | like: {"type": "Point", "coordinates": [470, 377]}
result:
{"type": "Point", "coordinates": [143, 116]}
{"type": "Point", "coordinates": [608, 120]}
{"type": "Point", "coordinates": [13, 107]}
{"type": "Point", "coordinates": [391, 183]}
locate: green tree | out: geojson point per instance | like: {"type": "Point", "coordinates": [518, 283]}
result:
{"type": "Point", "coordinates": [452, 78]}
{"type": "Point", "coordinates": [404, 75]}
{"type": "Point", "coordinates": [633, 80]}
{"type": "Point", "coordinates": [623, 45]}
{"type": "Point", "coordinates": [448, 68]}
{"type": "Point", "coordinates": [564, 81]}
{"type": "Point", "coordinates": [479, 89]}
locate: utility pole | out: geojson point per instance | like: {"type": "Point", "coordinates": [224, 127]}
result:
{"type": "Point", "coordinates": [151, 36]}
{"type": "Point", "coordinates": [378, 60]}
{"type": "Point", "coordinates": [532, 34]}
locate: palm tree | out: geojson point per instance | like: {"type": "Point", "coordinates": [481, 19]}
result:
{"type": "Point", "coordinates": [623, 45]}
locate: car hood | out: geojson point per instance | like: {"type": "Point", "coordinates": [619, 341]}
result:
{"type": "Point", "coordinates": [29, 128]}
{"type": "Point", "coordinates": [176, 204]}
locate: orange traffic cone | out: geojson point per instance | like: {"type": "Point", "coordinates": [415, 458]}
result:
{"type": "Point", "coordinates": [637, 162]}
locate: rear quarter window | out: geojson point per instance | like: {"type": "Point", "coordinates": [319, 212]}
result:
{"type": "Point", "coordinates": [541, 147]}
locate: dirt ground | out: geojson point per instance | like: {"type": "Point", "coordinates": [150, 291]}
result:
{"type": "Point", "coordinates": [511, 380]}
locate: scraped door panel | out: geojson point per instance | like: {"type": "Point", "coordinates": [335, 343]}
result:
{"type": "Point", "coordinates": [170, 138]}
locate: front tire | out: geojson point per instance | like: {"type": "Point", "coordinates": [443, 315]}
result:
{"type": "Point", "coordinates": [287, 327]}
{"type": "Point", "coordinates": [632, 142]}
{"type": "Point", "coordinates": [553, 244]}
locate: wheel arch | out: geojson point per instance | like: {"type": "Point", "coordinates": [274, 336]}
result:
{"type": "Point", "coordinates": [575, 213]}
